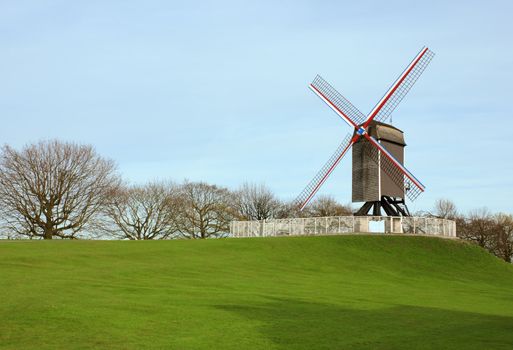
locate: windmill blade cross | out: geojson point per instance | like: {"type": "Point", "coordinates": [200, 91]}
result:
{"type": "Point", "coordinates": [356, 119]}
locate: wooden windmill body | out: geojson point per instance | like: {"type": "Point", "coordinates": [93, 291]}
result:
{"type": "Point", "coordinates": [370, 182]}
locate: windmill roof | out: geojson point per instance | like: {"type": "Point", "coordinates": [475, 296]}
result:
{"type": "Point", "coordinates": [386, 132]}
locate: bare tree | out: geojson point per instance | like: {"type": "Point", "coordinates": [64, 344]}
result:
{"type": "Point", "coordinates": [289, 209]}
{"type": "Point", "coordinates": [255, 202]}
{"type": "Point", "coordinates": [445, 209]}
{"type": "Point", "coordinates": [478, 227]}
{"type": "Point", "coordinates": [203, 210]}
{"type": "Point", "coordinates": [142, 212]}
{"type": "Point", "coordinates": [53, 189]}
{"type": "Point", "coordinates": [328, 206]}
{"type": "Point", "coordinates": [503, 247]}
{"type": "Point", "coordinates": [492, 232]}
{"type": "Point", "coordinates": [322, 206]}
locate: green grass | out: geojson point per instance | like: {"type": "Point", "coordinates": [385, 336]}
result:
{"type": "Point", "coordinates": [340, 292]}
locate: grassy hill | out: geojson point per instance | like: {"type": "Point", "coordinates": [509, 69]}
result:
{"type": "Point", "coordinates": [339, 292]}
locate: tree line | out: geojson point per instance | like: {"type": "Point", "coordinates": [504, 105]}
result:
{"type": "Point", "coordinates": [492, 231]}
{"type": "Point", "coordinates": [54, 189]}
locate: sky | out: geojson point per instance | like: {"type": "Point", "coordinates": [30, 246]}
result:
{"type": "Point", "coordinates": [218, 91]}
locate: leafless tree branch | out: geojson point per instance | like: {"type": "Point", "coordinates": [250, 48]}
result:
{"type": "Point", "coordinates": [53, 189]}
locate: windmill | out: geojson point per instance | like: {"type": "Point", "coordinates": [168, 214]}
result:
{"type": "Point", "coordinates": [379, 177]}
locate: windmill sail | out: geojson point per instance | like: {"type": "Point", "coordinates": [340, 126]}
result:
{"type": "Point", "coordinates": [404, 179]}
{"type": "Point", "coordinates": [337, 102]}
{"type": "Point", "coordinates": [402, 86]}
{"type": "Point", "coordinates": [307, 194]}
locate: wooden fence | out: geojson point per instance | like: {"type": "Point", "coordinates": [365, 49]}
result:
{"type": "Point", "coordinates": [334, 225]}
